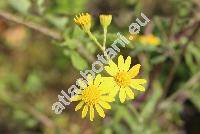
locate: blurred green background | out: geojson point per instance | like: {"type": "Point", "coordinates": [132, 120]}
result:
{"type": "Point", "coordinates": [42, 51]}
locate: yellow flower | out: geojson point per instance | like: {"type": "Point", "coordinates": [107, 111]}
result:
{"type": "Point", "coordinates": [105, 20]}
{"type": "Point", "coordinates": [149, 39]}
{"type": "Point", "coordinates": [123, 80]}
{"type": "Point", "coordinates": [95, 94]}
{"type": "Point", "coordinates": [84, 21]}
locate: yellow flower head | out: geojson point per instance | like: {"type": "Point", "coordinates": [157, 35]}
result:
{"type": "Point", "coordinates": [105, 20]}
{"type": "Point", "coordinates": [95, 94]}
{"type": "Point", "coordinates": [122, 76]}
{"type": "Point", "coordinates": [150, 39]}
{"type": "Point", "coordinates": [84, 21]}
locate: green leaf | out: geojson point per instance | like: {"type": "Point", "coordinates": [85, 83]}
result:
{"type": "Point", "coordinates": [77, 32]}
{"type": "Point", "coordinates": [68, 6]}
{"type": "Point", "coordinates": [189, 62]}
{"type": "Point", "coordinates": [120, 129]}
{"type": "Point", "coordinates": [77, 61]}
{"type": "Point", "coordinates": [194, 49]}
{"type": "Point", "coordinates": [158, 59]}
{"type": "Point", "coordinates": [59, 22]}
{"type": "Point", "coordinates": [148, 108]}
{"type": "Point", "coordinates": [20, 5]}
{"type": "Point", "coordinates": [40, 3]}
{"type": "Point", "coordinates": [3, 4]}
{"type": "Point", "coordinates": [33, 82]}
{"type": "Point", "coordinates": [31, 123]}
{"type": "Point", "coordinates": [130, 118]}
{"type": "Point", "coordinates": [20, 115]}
{"type": "Point", "coordinates": [66, 52]}
{"type": "Point", "coordinates": [107, 131]}
{"type": "Point", "coordinates": [91, 47]}
{"type": "Point", "coordinates": [5, 96]}
{"type": "Point", "coordinates": [195, 98]}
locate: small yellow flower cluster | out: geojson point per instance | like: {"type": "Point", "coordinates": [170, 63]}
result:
{"type": "Point", "coordinates": [85, 21]}
{"type": "Point", "coordinates": [98, 93]}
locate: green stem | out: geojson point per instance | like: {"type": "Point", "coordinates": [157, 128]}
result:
{"type": "Point", "coordinates": [98, 44]}
{"type": "Point", "coordinates": [107, 57]}
{"type": "Point", "coordinates": [95, 40]}
{"type": "Point", "coordinates": [137, 115]}
{"type": "Point", "coordinates": [104, 37]}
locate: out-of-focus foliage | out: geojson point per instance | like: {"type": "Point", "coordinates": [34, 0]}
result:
{"type": "Point", "coordinates": [35, 65]}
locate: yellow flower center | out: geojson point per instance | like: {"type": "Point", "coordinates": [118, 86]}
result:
{"type": "Point", "coordinates": [91, 95]}
{"type": "Point", "coordinates": [122, 79]}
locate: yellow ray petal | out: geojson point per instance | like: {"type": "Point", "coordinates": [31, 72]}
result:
{"type": "Point", "coordinates": [105, 104]}
{"type": "Point", "coordinates": [112, 69]}
{"type": "Point", "coordinates": [107, 98]}
{"type": "Point", "coordinates": [138, 81]}
{"type": "Point", "coordinates": [113, 65]}
{"type": "Point", "coordinates": [106, 85]}
{"type": "Point", "coordinates": [98, 80]}
{"type": "Point", "coordinates": [121, 63]}
{"type": "Point", "coordinates": [90, 79]}
{"type": "Point", "coordinates": [114, 91]}
{"type": "Point", "coordinates": [82, 84]}
{"type": "Point", "coordinates": [104, 91]}
{"type": "Point", "coordinates": [100, 110]}
{"type": "Point", "coordinates": [84, 112]}
{"type": "Point", "coordinates": [122, 95]}
{"type": "Point", "coordinates": [91, 113]}
{"type": "Point", "coordinates": [134, 70]}
{"type": "Point", "coordinates": [79, 106]}
{"type": "Point", "coordinates": [129, 93]}
{"type": "Point", "coordinates": [127, 63]}
{"type": "Point", "coordinates": [107, 80]}
{"type": "Point", "coordinates": [76, 98]}
{"type": "Point", "coordinates": [78, 91]}
{"type": "Point", "coordinates": [137, 86]}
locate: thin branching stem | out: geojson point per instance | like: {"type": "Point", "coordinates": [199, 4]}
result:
{"type": "Point", "coordinates": [98, 44]}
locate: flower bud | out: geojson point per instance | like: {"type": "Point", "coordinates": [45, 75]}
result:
{"type": "Point", "coordinates": [105, 20]}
